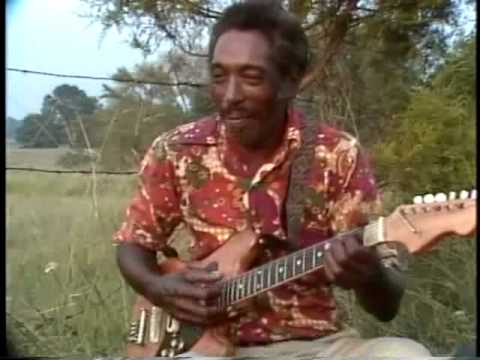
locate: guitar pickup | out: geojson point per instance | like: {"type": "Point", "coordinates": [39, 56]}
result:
{"type": "Point", "coordinates": [154, 325]}
{"type": "Point", "coordinates": [137, 329]}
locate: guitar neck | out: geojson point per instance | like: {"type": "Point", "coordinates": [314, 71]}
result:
{"type": "Point", "coordinates": [276, 272]}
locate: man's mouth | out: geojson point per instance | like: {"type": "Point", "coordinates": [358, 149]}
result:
{"type": "Point", "coordinates": [237, 120]}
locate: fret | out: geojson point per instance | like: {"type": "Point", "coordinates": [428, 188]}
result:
{"type": "Point", "coordinates": [318, 255]}
{"type": "Point", "coordinates": [224, 298]}
{"type": "Point", "coordinates": [259, 278]}
{"type": "Point", "coordinates": [289, 266]}
{"type": "Point", "coordinates": [241, 287]}
{"type": "Point", "coordinates": [311, 258]}
{"type": "Point", "coordinates": [283, 269]}
{"type": "Point", "coordinates": [248, 291]}
{"type": "Point", "coordinates": [275, 270]}
{"type": "Point", "coordinates": [272, 274]}
{"type": "Point", "coordinates": [238, 288]}
{"type": "Point", "coordinates": [266, 277]}
{"type": "Point", "coordinates": [227, 298]}
{"type": "Point", "coordinates": [232, 291]}
{"type": "Point", "coordinates": [303, 260]}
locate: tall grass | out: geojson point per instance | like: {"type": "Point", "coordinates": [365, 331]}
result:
{"type": "Point", "coordinates": [65, 295]}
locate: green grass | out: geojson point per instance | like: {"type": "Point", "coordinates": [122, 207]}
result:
{"type": "Point", "coordinates": [83, 306]}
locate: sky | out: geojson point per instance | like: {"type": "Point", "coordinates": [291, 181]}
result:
{"type": "Point", "coordinates": [50, 36]}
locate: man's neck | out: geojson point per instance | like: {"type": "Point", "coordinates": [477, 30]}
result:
{"type": "Point", "coordinates": [253, 157]}
{"type": "Point", "coordinates": [266, 148]}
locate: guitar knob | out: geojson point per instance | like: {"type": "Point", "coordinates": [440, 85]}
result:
{"type": "Point", "coordinates": [452, 195]}
{"type": "Point", "coordinates": [473, 194]}
{"type": "Point", "coordinates": [180, 345]}
{"type": "Point", "coordinates": [428, 199]}
{"type": "Point", "coordinates": [418, 200]}
{"type": "Point", "coordinates": [164, 353]}
{"type": "Point", "coordinates": [464, 195]}
{"type": "Point", "coordinates": [440, 197]}
{"type": "Point", "coordinates": [171, 353]}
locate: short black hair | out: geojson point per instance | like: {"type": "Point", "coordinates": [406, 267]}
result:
{"type": "Point", "coordinates": [290, 50]}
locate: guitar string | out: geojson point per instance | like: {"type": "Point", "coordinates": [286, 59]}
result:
{"type": "Point", "coordinates": [229, 285]}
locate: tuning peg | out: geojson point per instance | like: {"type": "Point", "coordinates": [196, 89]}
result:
{"type": "Point", "coordinates": [418, 200]}
{"type": "Point", "coordinates": [428, 199]}
{"type": "Point", "coordinates": [473, 194]}
{"type": "Point", "coordinates": [464, 194]}
{"type": "Point", "coordinates": [440, 197]}
{"type": "Point", "coordinates": [452, 195]}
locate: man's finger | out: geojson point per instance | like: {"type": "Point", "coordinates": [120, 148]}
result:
{"type": "Point", "coordinates": [195, 308]}
{"type": "Point", "coordinates": [185, 316]}
{"type": "Point", "coordinates": [199, 291]}
{"type": "Point", "coordinates": [195, 275]}
{"type": "Point", "coordinates": [337, 251]}
{"type": "Point", "coordinates": [332, 269]}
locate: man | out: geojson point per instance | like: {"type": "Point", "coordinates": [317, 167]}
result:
{"type": "Point", "coordinates": [227, 174]}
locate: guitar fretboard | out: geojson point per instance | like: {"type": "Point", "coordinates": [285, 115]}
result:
{"type": "Point", "coordinates": [276, 272]}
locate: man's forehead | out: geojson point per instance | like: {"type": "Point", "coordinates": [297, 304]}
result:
{"type": "Point", "coordinates": [237, 47]}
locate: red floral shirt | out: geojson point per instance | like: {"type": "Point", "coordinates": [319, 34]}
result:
{"type": "Point", "coordinates": [187, 177]}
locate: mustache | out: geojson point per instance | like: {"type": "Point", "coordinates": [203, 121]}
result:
{"type": "Point", "coordinates": [235, 113]}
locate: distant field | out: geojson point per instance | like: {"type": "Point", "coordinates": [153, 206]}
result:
{"type": "Point", "coordinates": [65, 295]}
{"type": "Point", "coordinates": [38, 158]}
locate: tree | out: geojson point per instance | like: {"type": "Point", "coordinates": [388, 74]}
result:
{"type": "Point", "coordinates": [433, 148]}
{"type": "Point", "coordinates": [135, 114]}
{"type": "Point", "coordinates": [11, 126]}
{"type": "Point", "coordinates": [67, 110]}
{"type": "Point", "coordinates": [367, 54]}
{"type": "Point", "coordinates": [35, 132]}
{"type": "Point", "coordinates": [66, 118]}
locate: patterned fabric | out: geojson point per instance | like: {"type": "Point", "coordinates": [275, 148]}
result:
{"type": "Point", "coordinates": [192, 175]}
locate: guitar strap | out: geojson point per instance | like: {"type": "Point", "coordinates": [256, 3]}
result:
{"type": "Point", "coordinates": [299, 169]}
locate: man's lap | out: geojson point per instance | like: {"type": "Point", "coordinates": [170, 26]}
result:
{"type": "Point", "coordinates": [342, 345]}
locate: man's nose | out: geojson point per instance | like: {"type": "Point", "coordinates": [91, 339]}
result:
{"type": "Point", "coordinates": [233, 92]}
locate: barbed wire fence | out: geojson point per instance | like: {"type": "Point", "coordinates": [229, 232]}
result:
{"type": "Point", "coordinates": [93, 155]}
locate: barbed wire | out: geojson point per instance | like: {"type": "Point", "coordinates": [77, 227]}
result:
{"type": "Point", "coordinates": [86, 172]}
{"type": "Point", "coordinates": [90, 77]}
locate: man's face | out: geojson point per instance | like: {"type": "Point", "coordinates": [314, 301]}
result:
{"type": "Point", "coordinates": [245, 87]}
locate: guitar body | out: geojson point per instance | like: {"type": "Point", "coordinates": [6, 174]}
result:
{"type": "Point", "coordinates": [153, 332]}
{"type": "Point", "coordinates": [418, 227]}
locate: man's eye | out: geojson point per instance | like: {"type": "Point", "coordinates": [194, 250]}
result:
{"type": "Point", "coordinates": [218, 76]}
{"type": "Point", "coordinates": [253, 78]}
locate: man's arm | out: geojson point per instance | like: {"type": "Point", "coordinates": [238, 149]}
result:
{"type": "Point", "coordinates": [381, 296]}
{"type": "Point", "coordinates": [151, 218]}
{"type": "Point", "coordinates": [349, 264]}
{"type": "Point", "coordinates": [379, 289]}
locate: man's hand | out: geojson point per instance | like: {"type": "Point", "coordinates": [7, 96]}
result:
{"type": "Point", "coordinates": [189, 295]}
{"type": "Point", "coordinates": [349, 264]}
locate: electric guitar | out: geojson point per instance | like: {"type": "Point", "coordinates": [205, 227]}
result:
{"type": "Point", "coordinates": [417, 226]}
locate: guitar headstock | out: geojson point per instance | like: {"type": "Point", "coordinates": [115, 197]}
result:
{"type": "Point", "coordinates": [420, 225]}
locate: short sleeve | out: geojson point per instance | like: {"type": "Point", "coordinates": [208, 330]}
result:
{"type": "Point", "coordinates": [154, 212]}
